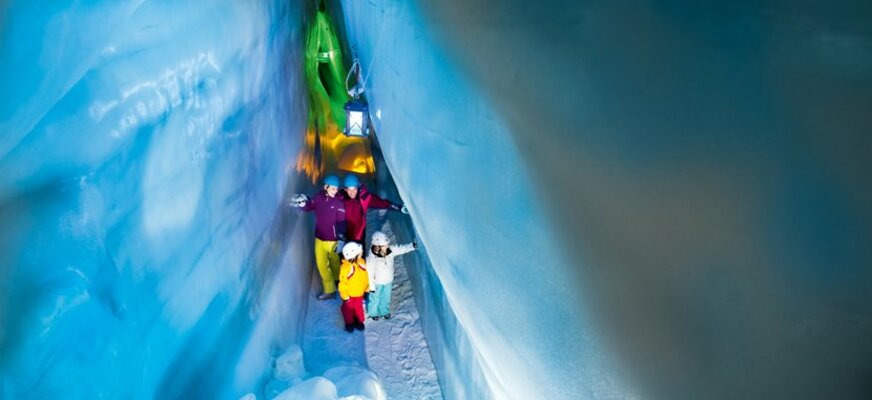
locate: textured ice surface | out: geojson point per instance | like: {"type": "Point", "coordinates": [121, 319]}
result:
{"type": "Point", "coordinates": [144, 152]}
{"type": "Point", "coordinates": [289, 366]}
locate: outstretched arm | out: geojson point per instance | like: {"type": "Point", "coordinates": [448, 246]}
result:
{"type": "Point", "coordinates": [305, 203]}
{"type": "Point", "coordinates": [401, 249]}
{"type": "Point", "coordinates": [298, 200]}
{"type": "Point", "coordinates": [378, 202]}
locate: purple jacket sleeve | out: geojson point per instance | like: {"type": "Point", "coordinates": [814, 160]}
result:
{"type": "Point", "coordinates": [310, 205]}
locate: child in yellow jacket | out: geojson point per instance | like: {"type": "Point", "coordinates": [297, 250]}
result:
{"type": "Point", "coordinates": [353, 284]}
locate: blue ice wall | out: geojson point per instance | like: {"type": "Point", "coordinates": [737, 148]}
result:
{"type": "Point", "coordinates": [502, 315]}
{"type": "Point", "coordinates": [663, 199]}
{"type": "Point", "coordinates": [145, 147]}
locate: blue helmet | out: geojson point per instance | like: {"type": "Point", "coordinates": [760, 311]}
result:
{"type": "Point", "coordinates": [351, 181]}
{"type": "Point", "coordinates": [331, 180]}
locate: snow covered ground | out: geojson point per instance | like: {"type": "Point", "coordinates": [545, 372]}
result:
{"type": "Point", "coordinates": [390, 360]}
{"type": "Point", "coordinates": [395, 348]}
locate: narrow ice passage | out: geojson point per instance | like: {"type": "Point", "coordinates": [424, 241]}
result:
{"type": "Point", "coordinates": [618, 199]}
{"type": "Point", "coordinates": [394, 350]}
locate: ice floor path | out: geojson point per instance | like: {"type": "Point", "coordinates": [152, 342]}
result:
{"type": "Point", "coordinates": [395, 349]}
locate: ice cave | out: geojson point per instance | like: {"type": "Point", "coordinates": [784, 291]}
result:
{"type": "Point", "coordinates": [656, 199]}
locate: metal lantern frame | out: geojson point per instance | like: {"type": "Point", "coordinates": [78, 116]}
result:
{"type": "Point", "coordinates": [356, 110]}
{"type": "Point", "coordinates": [356, 119]}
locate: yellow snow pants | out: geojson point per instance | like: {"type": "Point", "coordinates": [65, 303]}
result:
{"type": "Point", "coordinates": [328, 264]}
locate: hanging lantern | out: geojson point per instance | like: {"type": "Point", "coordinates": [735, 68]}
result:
{"type": "Point", "coordinates": [356, 111]}
{"type": "Point", "coordinates": [356, 118]}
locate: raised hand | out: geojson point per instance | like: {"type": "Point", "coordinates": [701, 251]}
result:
{"type": "Point", "coordinates": [298, 200]}
{"type": "Point", "coordinates": [399, 207]}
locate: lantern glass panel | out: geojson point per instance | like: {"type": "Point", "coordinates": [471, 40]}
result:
{"type": "Point", "coordinates": [355, 123]}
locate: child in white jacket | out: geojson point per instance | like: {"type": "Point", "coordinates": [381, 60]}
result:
{"type": "Point", "coordinates": [380, 263]}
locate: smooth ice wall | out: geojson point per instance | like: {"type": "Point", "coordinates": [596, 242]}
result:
{"type": "Point", "coordinates": [705, 165]}
{"type": "Point", "coordinates": [501, 313]}
{"type": "Point", "coordinates": [458, 368]}
{"type": "Point", "coordinates": [145, 147]}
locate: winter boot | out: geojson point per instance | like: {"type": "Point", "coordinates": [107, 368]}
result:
{"type": "Point", "coordinates": [326, 296]}
{"type": "Point", "coordinates": [388, 316]}
{"type": "Point", "coordinates": [359, 326]}
{"type": "Point", "coordinates": [375, 318]}
{"type": "Point", "coordinates": [349, 328]}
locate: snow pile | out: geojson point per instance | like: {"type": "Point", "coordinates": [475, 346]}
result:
{"type": "Point", "coordinates": [354, 381]}
{"type": "Point", "coordinates": [288, 370]}
{"type": "Point", "coordinates": [289, 366]}
{"type": "Point", "coordinates": [290, 381]}
{"type": "Point", "coordinates": [317, 388]}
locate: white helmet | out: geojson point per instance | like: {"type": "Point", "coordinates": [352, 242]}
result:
{"type": "Point", "coordinates": [379, 239]}
{"type": "Point", "coordinates": [352, 250]}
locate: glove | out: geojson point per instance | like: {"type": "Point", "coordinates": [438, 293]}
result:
{"type": "Point", "coordinates": [298, 200]}
{"type": "Point", "coordinates": [339, 245]}
{"type": "Point", "coordinates": [400, 207]}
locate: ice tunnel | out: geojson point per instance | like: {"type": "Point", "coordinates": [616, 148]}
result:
{"type": "Point", "coordinates": [660, 199]}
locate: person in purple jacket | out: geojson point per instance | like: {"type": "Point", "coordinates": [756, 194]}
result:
{"type": "Point", "coordinates": [329, 229]}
